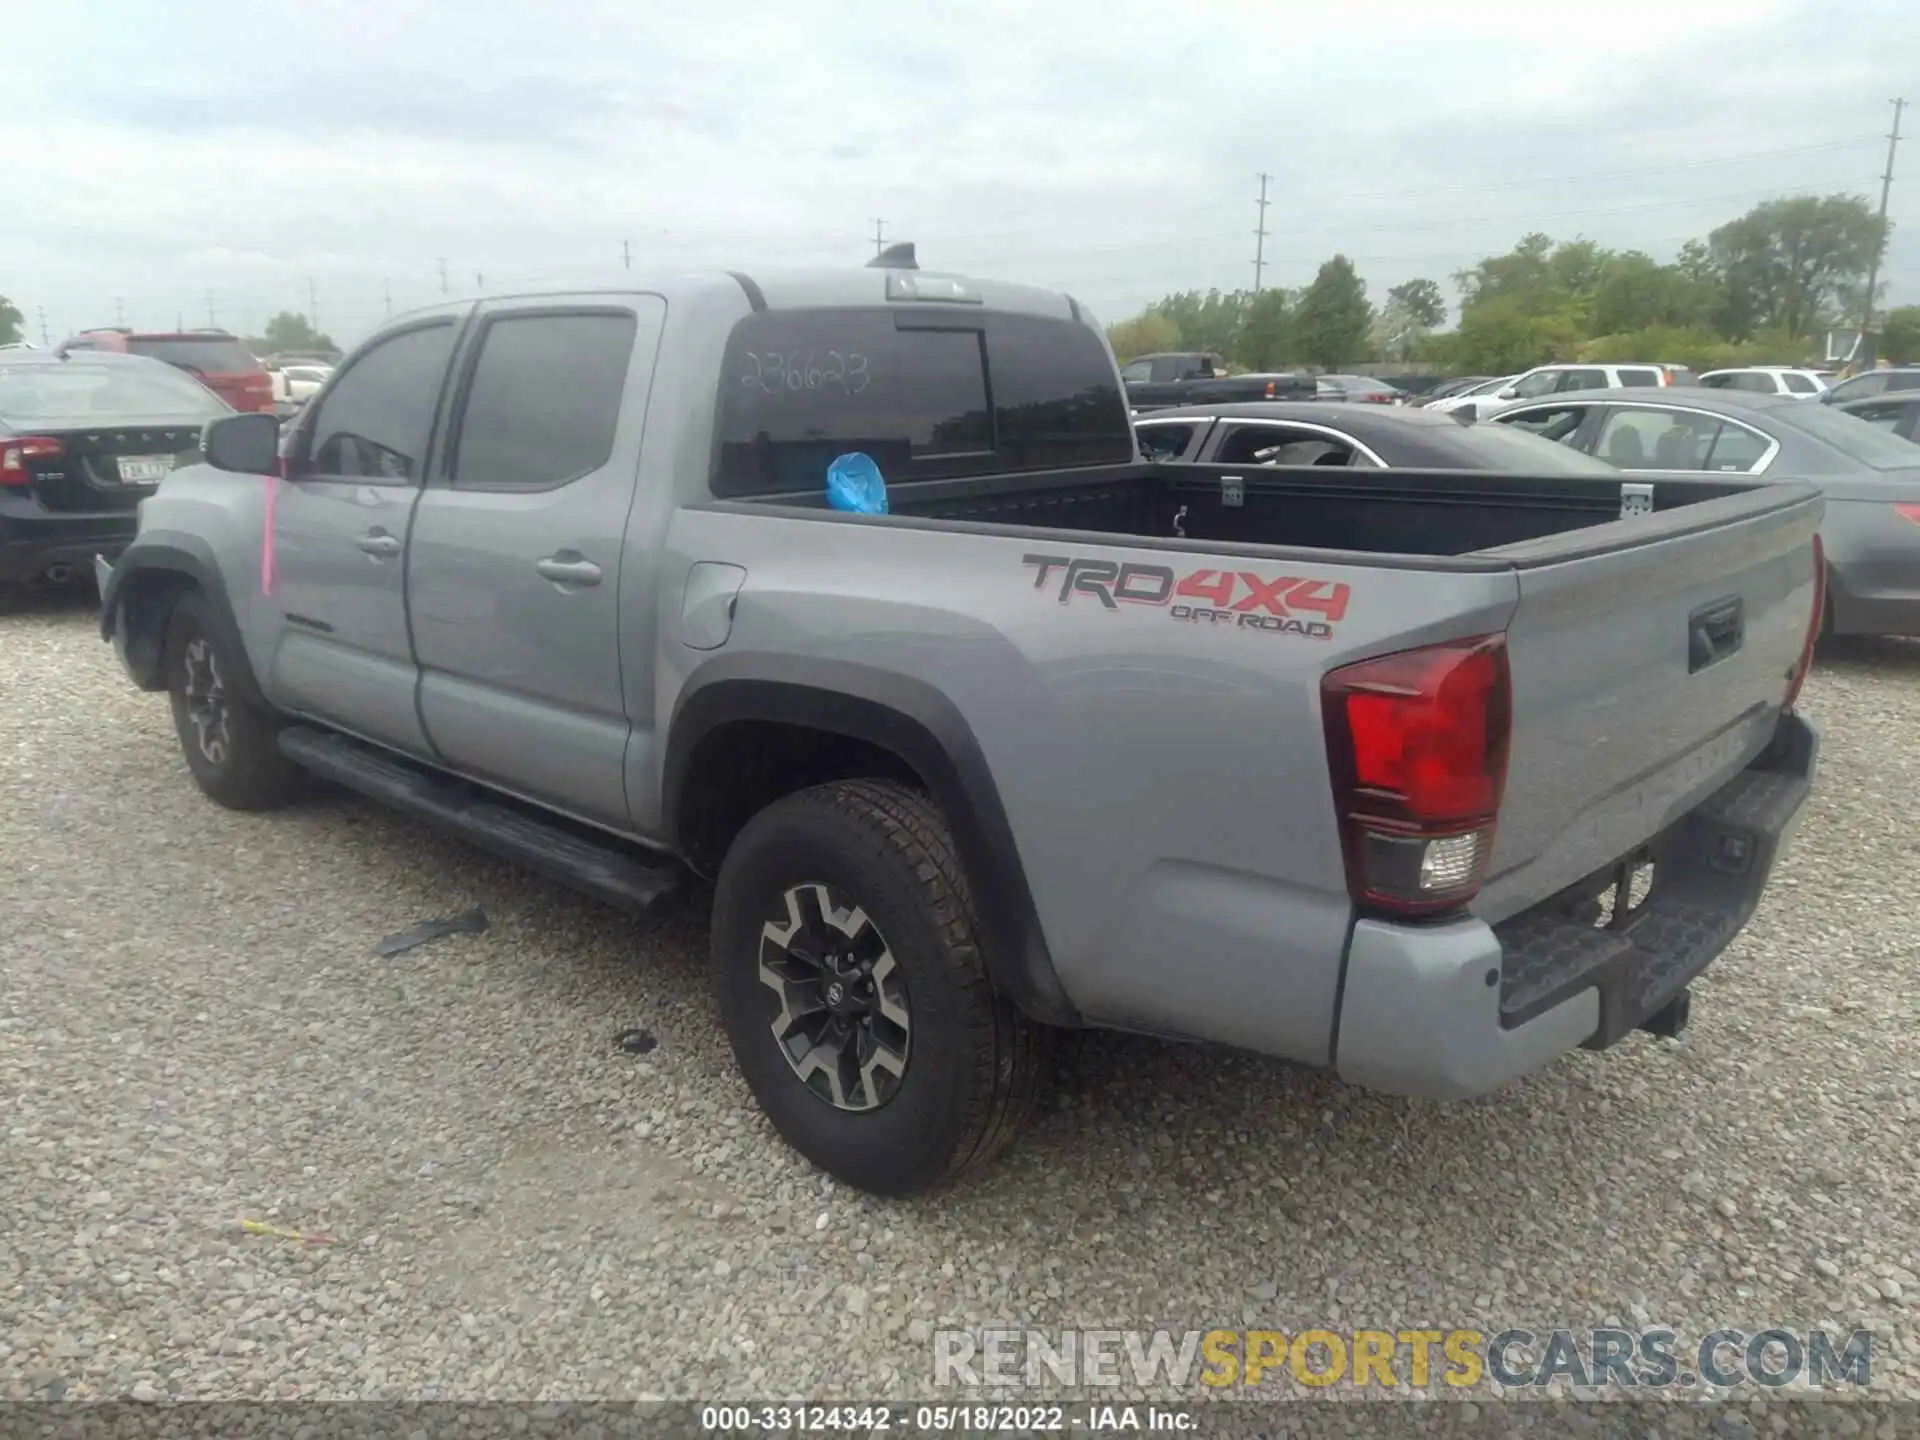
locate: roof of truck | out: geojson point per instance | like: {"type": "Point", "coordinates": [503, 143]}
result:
{"type": "Point", "coordinates": [782, 289]}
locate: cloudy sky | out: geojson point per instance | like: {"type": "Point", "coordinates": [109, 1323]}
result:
{"type": "Point", "coordinates": [168, 162]}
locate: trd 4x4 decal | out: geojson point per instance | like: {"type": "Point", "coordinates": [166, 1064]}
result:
{"type": "Point", "coordinates": [1279, 604]}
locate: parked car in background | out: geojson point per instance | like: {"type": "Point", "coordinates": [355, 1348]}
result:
{"type": "Point", "coordinates": [1890, 381]}
{"type": "Point", "coordinates": [1484, 390]}
{"type": "Point", "coordinates": [213, 357]}
{"type": "Point", "coordinates": [1767, 380]}
{"type": "Point", "coordinates": [1554, 379]}
{"type": "Point", "coordinates": [294, 385]}
{"type": "Point", "coordinates": [1195, 378]}
{"type": "Point", "coordinates": [82, 442]}
{"type": "Point", "coordinates": [1459, 385]}
{"type": "Point", "coordinates": [1871, 478]}
{"type": "Point", "coordinates": [1898, 413]}
{"type": "Point", "coordinates": [1061, 739]}
{"type": "Point", "coordinates": [1360, 389]}
{"type": "Point", "coordinates": [1353, 435]}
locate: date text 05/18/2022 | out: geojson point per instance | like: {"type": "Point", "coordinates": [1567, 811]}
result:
{"type": "Point", "coordinates": [1244, 599]}
{"type": "Point", "coordinates": [1082, 1419]}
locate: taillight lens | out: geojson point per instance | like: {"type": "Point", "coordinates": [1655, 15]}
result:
{"type": "Point", "coordinates": [16, 452]}
{"type": "Point", "coordinates": [1269, 389]}
{"type": "Point", "coordinates": [1417, 746]}
{"type": "Point", "coordinates": [1800, 670]}
{"type": "Point", "coordinates": [1909, 512]}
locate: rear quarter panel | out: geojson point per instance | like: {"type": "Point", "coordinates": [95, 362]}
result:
{"type": "Point", "coordinates": [1165, 781]}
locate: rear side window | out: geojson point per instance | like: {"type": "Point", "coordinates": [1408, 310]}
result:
{"type": "Point", "coordinates": [210, 356]}
{"type": "Point", "coordinates": [374, 421]}
{"type": "Point", "coordinates": [1635, 376]}
{"type": "Point", "coordinates": [982, 394]}
{"type": "Point", "coordinates": [1138, 371]}
{"type": "Point", "coordinates": [1164, 442]}
{"type": "Point", "coordinates": [544, 400]}
{"type": "Point", "coordinates": [1583, 380]}
{"type": "Point", "coordinates": [1799, 384]}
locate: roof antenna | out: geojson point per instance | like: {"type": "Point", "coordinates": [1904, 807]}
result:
{"type": "Point", "coordinates": [897, 256]}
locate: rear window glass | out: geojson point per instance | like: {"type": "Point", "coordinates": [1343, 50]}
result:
{"type": "Point", "coordinates": [1005, 392]}
{"type": "Point", "coordinates": [101, 394]}
{"type": "Point", "coordinates": [1853, 437]}
{"type": "Point", "coordinates": [210, 355]}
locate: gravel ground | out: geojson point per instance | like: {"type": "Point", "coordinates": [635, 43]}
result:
{"type": "Point", "coordinates": [194, 1029]}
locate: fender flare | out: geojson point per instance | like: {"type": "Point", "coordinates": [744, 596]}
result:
{"type": "Point", "coordinates": [916, 722]}
{"type": "Point", "coordinates": [140, 639]}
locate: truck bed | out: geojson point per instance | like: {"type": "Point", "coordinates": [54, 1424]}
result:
{"type": "Point", "coordinates": [1421, 513]}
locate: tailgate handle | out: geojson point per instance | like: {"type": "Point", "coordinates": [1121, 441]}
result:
{"type": "Point", "coordinates": [1714, 632]}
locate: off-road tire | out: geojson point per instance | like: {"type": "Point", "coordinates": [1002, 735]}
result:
{"type": "Point", "coordinates": [245, 770]}
{"type": "Point", "coordinates": [975, 1063]}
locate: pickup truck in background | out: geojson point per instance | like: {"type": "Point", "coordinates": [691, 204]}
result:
{"type": "Point", "coordinates": [1154, 382]}
{"type": "Point", "coordinates": [1425, 777]}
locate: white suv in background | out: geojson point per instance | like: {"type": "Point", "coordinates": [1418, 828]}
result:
{"type": "Point", "coordinates": [1767, 380]}
{"type": "Point", "coordinates": [1553, 379]}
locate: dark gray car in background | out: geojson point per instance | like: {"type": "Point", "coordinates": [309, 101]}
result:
{"type": "Point", "coordinates": [1871, 477]}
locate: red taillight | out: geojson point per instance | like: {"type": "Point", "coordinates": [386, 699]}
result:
{"type": "Point", "coordinates": [1417, 744]}
{"type": "Point", "coordinates": [1269, 389]}
{"type": "Point", "coordinates": [16, 452]}
{"type": "Point", "coordinates": [1909, 512]}
{"type": "Point", "coordinates": [1799, 676]}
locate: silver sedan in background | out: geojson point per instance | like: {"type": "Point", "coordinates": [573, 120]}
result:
{"type": "Point", "coordinates": [1870, 476]}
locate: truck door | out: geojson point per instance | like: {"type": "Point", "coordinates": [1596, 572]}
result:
{"type": "Point", "coordinates": [514, 568]}
{"type": "Point", "coordinates": [354, 469]}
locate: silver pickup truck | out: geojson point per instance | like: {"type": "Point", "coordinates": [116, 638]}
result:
{"type": "Point", "coordinates": [1426, 777]}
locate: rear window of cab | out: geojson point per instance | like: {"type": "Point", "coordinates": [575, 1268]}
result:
{"type": "Point", "coordinates": [928, 396]}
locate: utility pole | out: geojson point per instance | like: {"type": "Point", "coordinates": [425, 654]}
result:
{"type": "Point", "coordinates": [212, 322]}
{"type": "Point", "coordinates": [443, 274]}
{"type": "Point", "coordinates": [479, 281]}
{"type": "Point", "coordinates": [389, 294]}
{"type": "Point", "coordinates": [1886, 184]}
{"type": "Point", "coordinates": [44, 338]}
{"type": "Point", "coordinates": [119, 311]}
{"type": "Point", "coordinates": [626, 254]}
{"type": "Point", "coordinates": [879, 237]}
{"type": "Point", "coordinates": [1260, 235]}
{"type": "Point", "coordinates": [313, 305]}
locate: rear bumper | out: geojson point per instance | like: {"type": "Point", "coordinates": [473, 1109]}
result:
{"type": "Point", "coordinates": [1458, 1008]}
{"type": "Point", "coordinates": [34, 540]}
{"type": "Point", "coordinates": [1889, 611]}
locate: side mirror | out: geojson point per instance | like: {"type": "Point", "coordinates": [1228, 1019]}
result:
{"type": "Point", "coordinates": [247, 444]}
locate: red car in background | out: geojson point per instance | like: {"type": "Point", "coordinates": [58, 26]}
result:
{"type": "Point", "coordinates": [213, 357]}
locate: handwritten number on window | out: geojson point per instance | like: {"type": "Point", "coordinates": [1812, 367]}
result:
{"type": "Point", "coordinates": [773, 374]}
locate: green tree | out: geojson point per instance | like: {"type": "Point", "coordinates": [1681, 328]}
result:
{"type": "Point", "coordinates": [1266, 337]}
{"type": "Point", "coordinates": [1333, 317]}
{"type": "Point", "coordinates": [1636, 292]}
{"type": "Point", "coordinates": [1421, 301]}
{"type": "Point", "coordinates": [1143, 334]}
{"type": "Point", "coordinates": [1499, 336]}
{"type": "Point", "coordinates": [1900, 335]}
{"type": "Point", "coordinates": [1788, 263]}
{"type": "Point", "coordinates": [10, 321]}
{"type": "Point", "coordinates": [290, 331]}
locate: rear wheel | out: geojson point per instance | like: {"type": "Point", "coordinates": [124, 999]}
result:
{"type": "Point", "coordinates": [855, 994]}
{"type": "Point", "coordinates": [231, 747]}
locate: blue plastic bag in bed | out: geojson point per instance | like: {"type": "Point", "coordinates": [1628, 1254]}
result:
{"type": "Point", "coordinates": [855, 483]}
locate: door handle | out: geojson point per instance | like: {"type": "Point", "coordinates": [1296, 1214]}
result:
{"type": "Point", "coordinates": [568, 572]}
{"type": "Point", "coordinates": [379, 544]}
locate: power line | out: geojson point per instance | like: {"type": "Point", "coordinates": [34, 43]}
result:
{"type": "Point", "coordinates": [1886, 186]}
{"type": "Point", "coordinates": [879, 237]}
{"type": "Point", "coordinates": [1260, 234]}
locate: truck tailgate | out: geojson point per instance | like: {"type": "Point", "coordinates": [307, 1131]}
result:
{"type": "Point", "coordinates": [1645, 676]}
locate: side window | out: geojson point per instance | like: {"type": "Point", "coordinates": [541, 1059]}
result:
{"type": "Point", "coordinates": [1635, 439]}
{"type": "Point", "coordinates": [1903, 380]}
{"type": "Point", "coordinates": [1557, 422]}
{"type": "Point", "coordinates": [544, 400]}
{"type": "Point", "coordinates": [1860, 387]}
{"type": "Point", "coordinates": [1799, 384]}
{"type": "Point", "coordinates": [1736, 449]}
{"type": "Point", "coordinates": [1710, 382]}
{"type": "Point", "coordinates": [1166, 369]}
{"type": "Point", "coordinates": [1163, 442]}
{"type": "Point", "coordinates": [374, 421]}
{"type": "Point", "coordinates": [1282, 445]}
{"type": "Point", "coordinates": [1583, 380]}
{"type": "Point", "coordinates": [1638, 376]}
{"type": "Point", "coordinates": [1756, 381]}
{"type": "Point", "coordinates": [1886, 414]}
{"type": "Point", "coordinates": [1137, 370]}
{"type": "Point", "coordinates": [1541, 382]}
